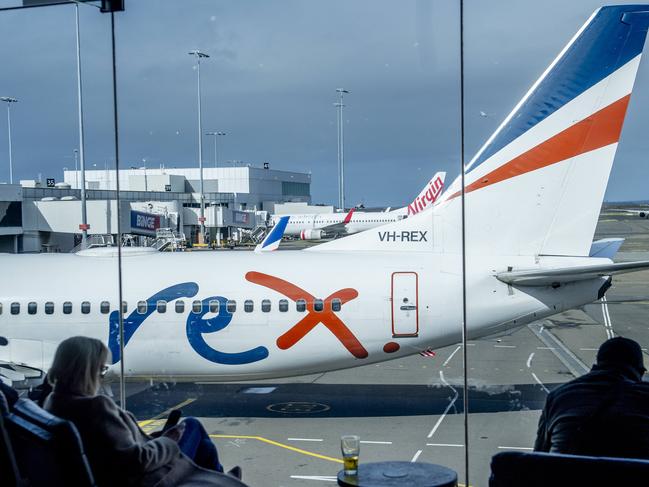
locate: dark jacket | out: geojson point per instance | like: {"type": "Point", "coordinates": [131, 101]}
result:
{"type": "Point", "coordinates": [603, 413]}
{"type": "Point", "coordinates": [120, 453]}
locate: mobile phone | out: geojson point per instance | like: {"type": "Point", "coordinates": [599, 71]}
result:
{"type": "Point", "coordinates": [172, 419]}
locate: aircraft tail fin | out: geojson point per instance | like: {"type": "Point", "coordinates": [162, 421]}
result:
{"type": "Point", "coordinates": [272, 240]}
{"type": "Point", "coordinates": [537, 185]}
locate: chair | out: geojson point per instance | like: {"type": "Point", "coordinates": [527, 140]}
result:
{"type": "Point", "coordinates": [8, 465]}
{"type": "Point", "coordinates": [537, 469]}
{"type": "Point", "coordinates": [48, 450]}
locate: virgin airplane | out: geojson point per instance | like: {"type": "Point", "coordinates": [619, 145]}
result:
{"type": "Point", "coordinates": [533, 194]}
{"type": "Point", "coordinates": [331, 225]}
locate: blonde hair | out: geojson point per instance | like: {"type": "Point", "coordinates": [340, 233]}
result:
{"type": "Point", "coordinates": [77, 365]}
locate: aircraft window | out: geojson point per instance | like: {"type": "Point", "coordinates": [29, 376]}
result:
{"type": "Point", "coordinates": [67, 308]}
{"type": "Point", "coordinates": [248, 306]}
{"type": "Point", "coordinates": [318, 305]}
{"type": "Point", "coordinates": [336, 304]}
{"type": "Point", "coordinates": [283, 305]}
{"type": "Point", "coordinates": [104, 307]}
{"type": "Point", "coordinates": [141, 307]}
{"type": "Point", "coordinates": [197, 307]}
{"type": "Point", "coordinates": [265, 305]}
{"type": "Point", "coordinates": [0, 308]}
{"type": "Point", "coordinates": [231, 306]}
{"type": "Point", "coordinates": [180, 306]}
{"type": "Point", "coordinates": [124, 306]}
{"type": "Point", "coordinates": [214, 306]}
{"type": "Point", "coordinates": [85, 307]}
{"type": "Point", "coordinates": [15, 308]}
{"type": "Point", "coordinates": [49, 308]}
{"type": "Point", "coordinates": [300, 305]}
{"type": "Point", "coordinates": [31, 308]}
{"type": "Point", "coordinates": [161, 306]}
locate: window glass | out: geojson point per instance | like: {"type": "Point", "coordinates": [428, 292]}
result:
{"type": "Point", "coordinates": [231, 306]}
{"type": "Point", "coordinates": [248, 306]}
{"type": "Point", "coordinates": [15, 308]}
{"type": "Point", "coordinates": [32, 308]}
{"type": "Point", "coordinates": [265, 305]}
{"type": "Point", "coordinates": [300, 305]}
{"type": "Point", "coordinates": [214, 306]}
{"type": "Point", "coordinates": [336, 304]}
{"type": "Point", "coordinates": [124, 307]}
{"type": "Point", "coordinates": [49, 308]}
{"type": "Point", "coordinates": [0, 308]}
{"type": "Point", "coordinates": [85, 307]}
{"type": "Point", "coordinates": [161, 306]}
{"type": "Point", "coordinates": [180, 306]}
{"type": "Point", "coordinates": [104, 307]}
{"type": "Point", "coordinates": [283, 305]}
{"type": "Point", "coordinates": [318, 305]}
{"type": "Point", "coordinates": [197, 306]}
{"type": "Point", "coordinates": [142, 307]}
{"type": "Point", "coordinates": [67, 308]}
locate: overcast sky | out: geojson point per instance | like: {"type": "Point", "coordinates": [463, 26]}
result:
{"type": "Point", "coordinates": [270, 84]}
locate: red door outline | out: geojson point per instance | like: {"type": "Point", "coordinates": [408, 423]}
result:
{"type": "Point", "coordinates": [416, 333]}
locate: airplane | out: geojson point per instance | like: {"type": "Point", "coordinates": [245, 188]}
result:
{"type": "Point", "coordinates": [332, 225]}
{"type": "Point", "coordinates": [532, 195]}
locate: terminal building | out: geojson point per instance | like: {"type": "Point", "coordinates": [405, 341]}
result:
{"type": "Point", "coordinates": [37, 217]}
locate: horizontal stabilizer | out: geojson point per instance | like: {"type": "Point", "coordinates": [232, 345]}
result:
{"type": "Point", "coordinates": [562, 275]}
{"type": "Point", "coordinates": [606, 247]}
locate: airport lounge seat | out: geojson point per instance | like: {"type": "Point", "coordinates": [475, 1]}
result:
{"type": "Point", "coordinates": [509, 469]}
{"type": "Point", "coordinates": [8, 465]}
{"type": "Point", "coordinates": [48, 450]}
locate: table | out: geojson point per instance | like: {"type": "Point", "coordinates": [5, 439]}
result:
{"type": "Point", "coordinates": [408, 474]}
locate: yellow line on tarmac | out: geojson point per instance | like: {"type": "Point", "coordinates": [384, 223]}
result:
{"type": "Point", "coordinates": [166, 413]}
{"type": "Point", "coordinates": [281, 445]}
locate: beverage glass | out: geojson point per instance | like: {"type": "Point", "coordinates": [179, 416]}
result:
{"type": "Point", "coordinates": [350, 446]}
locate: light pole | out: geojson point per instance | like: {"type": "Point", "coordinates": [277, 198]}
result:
{"type": "Point", "coordinates": [199, 55]}
{"type": "Point", "coordinates": [145, 182]}
{"type": "Point", "coordinates": [76, 168]}
{"type": "Point", "coordinates": [84, 227]}
{"type": "Point", "coordinates": [216, 136]}
{"type": "Point", "coordinates": [341, 148]}
{"type": "Point", "coordinates": [9, 100]}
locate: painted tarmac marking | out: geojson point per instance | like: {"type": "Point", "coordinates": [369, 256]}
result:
{"type": "Point", "coordinates": [304, 439]}
{"type": "Point", "coordinates": [515, 448]}
{"type": "Point", "coordinates": [545, 348]}
{"type": "Point", "coordinates": [322, 478]}
{"type": "Point", "coordinates": [281, 445]}
{"type": "Point", "coordinates": [505, 346]}
{"type": "Point", "coordinates": [368, 442]}
{"type": "Point", "coordinates": [451, 356]}
{"type": "Point", "coordinates": [540, 383]}
{"type": "Point", "coordinates": [445, 444]}
{"type": "Point", "coordinates": [608, 325]}
{"type": "Point", "coordinates": [529, 360]}
{"type": "Point", "coordinates": [414, 459]}
{"type": "Point", "coordinates": [448, 408]}
{"type": "Point", "coordinates": [588, 349]}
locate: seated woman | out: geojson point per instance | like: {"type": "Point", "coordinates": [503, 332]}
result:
{"type": "Point", "coordinates": [119, 452]}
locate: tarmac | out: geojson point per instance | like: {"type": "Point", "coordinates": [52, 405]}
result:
{"type": "Point", "coordinates": [287, 432]}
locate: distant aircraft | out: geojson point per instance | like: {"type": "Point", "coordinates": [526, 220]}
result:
{"type": "Point", "coordinates": [533, 195]}
{"type": "Point", "coordinates": [331, 225]}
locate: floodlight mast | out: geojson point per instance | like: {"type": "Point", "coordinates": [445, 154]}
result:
{"type": "Point", "coordinates": [9, 100]}
{"type": "Point", "coordinates": [200, 55]}
{"type": "Point", "coordinates": [216, 135]}
{"type": "Point", "coordinates": [341, 147]}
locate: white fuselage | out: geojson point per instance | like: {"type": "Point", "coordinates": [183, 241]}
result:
{"type": "Point", "coordinates": [391, 304]}
{"type": "Point", "coordinates": [359, 222]}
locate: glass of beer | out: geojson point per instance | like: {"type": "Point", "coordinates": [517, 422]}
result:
{"type": "Point", "coordinates": [350, 446]}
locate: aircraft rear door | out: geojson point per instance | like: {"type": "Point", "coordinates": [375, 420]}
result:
{"type": "Point", "coordinates": [405, 303]}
